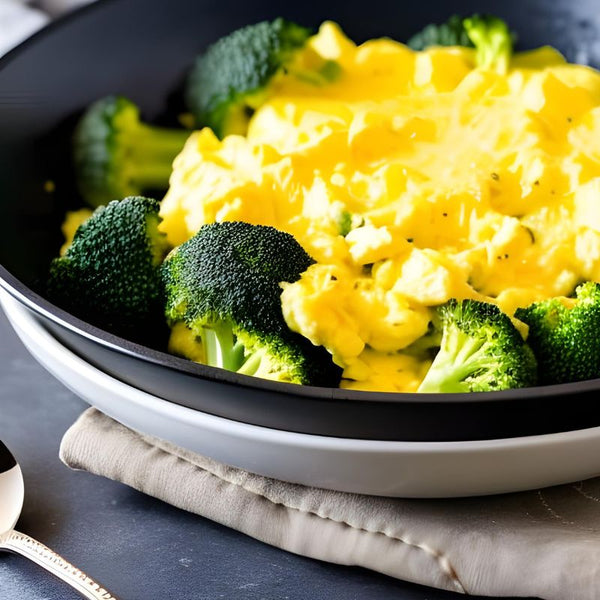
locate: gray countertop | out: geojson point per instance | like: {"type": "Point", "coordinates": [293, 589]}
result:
{"type": "Point", "coordinates": [139, 547]}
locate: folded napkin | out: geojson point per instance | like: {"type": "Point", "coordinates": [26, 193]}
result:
{"type": "Point", "coordinates": [543, 543]}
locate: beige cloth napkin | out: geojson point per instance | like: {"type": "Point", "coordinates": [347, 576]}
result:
{"type": "Point", "coordinates": [544, 543]}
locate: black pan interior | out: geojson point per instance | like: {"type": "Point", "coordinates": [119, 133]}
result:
{"type": "Point", "coordinates": [142, 49]}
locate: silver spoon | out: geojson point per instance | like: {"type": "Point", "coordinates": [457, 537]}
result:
{"type": "Point", "coordinates": [12, 492]}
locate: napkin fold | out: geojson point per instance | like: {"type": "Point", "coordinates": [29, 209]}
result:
{"type": "Point", "coordinates": [544, 543]}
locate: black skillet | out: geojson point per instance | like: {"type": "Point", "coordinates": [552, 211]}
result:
{"type": "Point", "coordinates": [142, 49]}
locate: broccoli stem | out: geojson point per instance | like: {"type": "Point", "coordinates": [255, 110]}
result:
{"type": "Point", "coordinates": [252, 364]}
{"type": "Point", "coordinates": [150, 175]}
{"type": "Point", "coordinates": [159, 139]}
{"type": "Point", "coordinates": [462, 357]}
{"type": "Point", "coordinates": [493, 42]}
{"type": "Point", "coordinates": [221, 348]}
{"type": "Point", "coordinates": [490, 56]}
{"type": "Point", "coordinates": [328, 72]}
{"type": "Point", "coordinates": [151, 151]}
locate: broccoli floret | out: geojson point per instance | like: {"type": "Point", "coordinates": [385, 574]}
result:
{"type": "Point", "coordinates": [481, 350]}
{"type": "Point", "coordinates": [116, 155]}
{"type": "Point", "coordinates": [109, 274]}
{"type": "Point", "coordinates": [489, 36]}
{"type": "Point", "coordinates": [563, 334]}
{"type": "Point", "coordinates": [450, 33]}
{"type": "Point", "coordinates": [493, 41]}
{"type": "Point", "coordinates": [231, 79]}
{"type": "Point", "coordinates": [224, 284]}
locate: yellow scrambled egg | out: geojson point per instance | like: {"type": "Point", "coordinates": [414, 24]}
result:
{"type": "Point", "coordinates": [73, 219]}
{"type": "Point", "coordinates": [414, 178]}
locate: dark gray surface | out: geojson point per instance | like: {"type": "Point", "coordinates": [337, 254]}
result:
{"type": "Point", "coordinates": [139, 547]}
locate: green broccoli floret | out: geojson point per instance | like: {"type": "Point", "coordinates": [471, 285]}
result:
{"type": "Point", "coordinates": [116, 155]}
{"type": "Point", "coordinates": [109, 275]}
{"type": "Point", "coordinates": [224, 284]}
{"type": "Point", "coordinates": [564, 335]}
{"type": "Point", "coordinates": [450, 33]}
{"type": "Point", "coordinates": [489, 35]}
{"type": "Point", "coordinates": [481, 350]}
{"type": "Point", "coordinates": [231, 79]}
{"type": "Point", "coordinates": [493, 41]}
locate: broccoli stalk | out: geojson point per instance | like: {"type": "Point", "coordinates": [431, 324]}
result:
{"type": "Point", "coordinates": [117, 155]}
{"type": "Point", "coordinates": [481, 350]}
{"type": "Point", "coordinates": [492, 40]}
{"type": "Point", "coordinates": [109, 275]}
{"type": "Point", "coordinates": [563, 333]}
{"type": "Point", "coordinates": [232, 78]}
{"type": "Point", "coordinates": [489, 35]}
{"type": "Point", "coordinates": [224, 285]}
{"type": "Point", "coordinates": [221, 349]}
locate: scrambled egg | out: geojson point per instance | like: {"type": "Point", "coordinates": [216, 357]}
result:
{"type": "Point", "coordinates": [73, 219]}
{"type": "Point", "coordinates": [412, 179]}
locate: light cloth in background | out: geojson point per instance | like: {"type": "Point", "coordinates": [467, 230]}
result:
{"type": "Point", "coordinates": [17, 22]}
{"type": "Point", "coordinates": [21, 18]}
{"type": "Point", "coordinates": [542, 544]}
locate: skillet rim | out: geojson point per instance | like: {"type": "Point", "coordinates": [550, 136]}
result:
{"type": "Point", "coordinates": [43, 307]}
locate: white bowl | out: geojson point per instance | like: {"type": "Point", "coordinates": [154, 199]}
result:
{"type": "Point", "coordinates": [387, 468]}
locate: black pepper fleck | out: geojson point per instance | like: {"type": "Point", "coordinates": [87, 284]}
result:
{"type": "Point", "coordinates": [531, 234]}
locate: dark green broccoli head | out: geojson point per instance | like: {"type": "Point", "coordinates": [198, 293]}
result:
{"type": "Point", "coordinates": [224, 284]}
{"type": "Point", "coordinates": [481, 351]}
{"type": "Point", "coordinates": [450, 33]}
{"type": "Point", "coordinates": [230, 80]}
{"type": "Point", "coordinates": [564, 335]}
{"type": "Point", "coordinates": [116, 155]}
{"type": "Point", "coordinates": [109, 275]}
{"type": "Point", "coordinates": [221, 272]}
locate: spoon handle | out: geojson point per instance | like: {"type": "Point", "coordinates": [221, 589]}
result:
{"type": "Point", "coordinates": [19, 543]}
